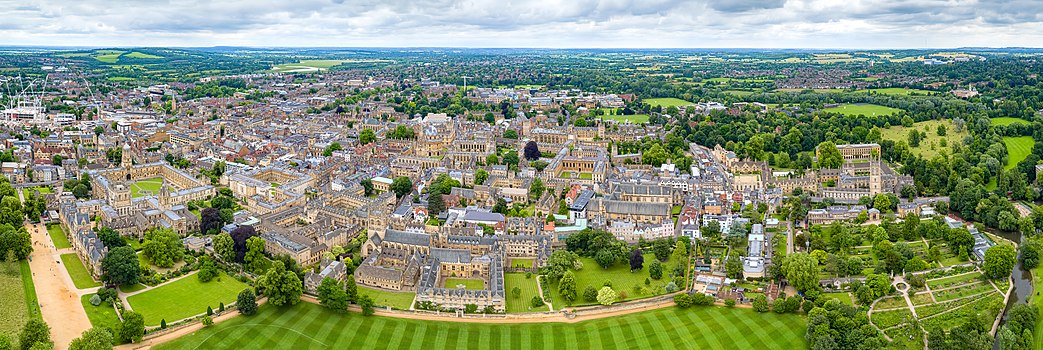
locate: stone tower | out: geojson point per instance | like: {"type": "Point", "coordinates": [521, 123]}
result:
{"type": "Point", "coordinates": [126, 161]}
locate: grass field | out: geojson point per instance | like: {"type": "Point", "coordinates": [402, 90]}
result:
{"type": "Point", "coordinates": [1008, 121]}
{"type": "Point", "coordinates": [528, 290]}
{"type": "Point", "coordinates": [309, 326]}
{"type": "Point", "coordinates": [666, 102]}
{"type": "Point", "coordinates": [103, 315]}
{"type": "Point", "coordinates": [623, 281]}
{"type": "Point", "coordinates": [19, 297]}
{"type": "Point", "coordinates": [522, 263]}
{"type": "Point", "coordinates": [863, 109]}
{"type": "Point", "coordinates": [146, 187]}
{"type": "Point", "coordinates": [58, 236]}
{"type": "Point", "coordinates": [897, 91]}
{"type": "Point", "coordinates": [1018, 148]}
{"type": "Point", "coordinates": [930, 127]}
{"type": "Point", "coordinates": [79, 274]}
{"type": "Point", "coordinates": [1037, 299]}
{"type": "Point", "coordinates": [185, 298]}
{"type": "Point", "coordinates": [41, 189]}
{"type": "Point", "coordinates": [396, 300]}
{"type": "Point", "coordinates": [307, 66]}
{"type": "Point", "coordinates": [136, 54]}
{"type": "Point", "coordinates": [107, 56]}
{"type": "Point", "coordinates": [467, 283]}
{"type": "Point", "coordinates": [842, 296]}
{"type": "Point", "coordinates": [633, 118]}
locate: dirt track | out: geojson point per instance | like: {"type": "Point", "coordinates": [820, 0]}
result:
{"type": "Point", "coordinates": [59, 303]}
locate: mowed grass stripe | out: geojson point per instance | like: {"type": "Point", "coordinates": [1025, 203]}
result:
{"type": "Point", "coordinates": [311, 326]}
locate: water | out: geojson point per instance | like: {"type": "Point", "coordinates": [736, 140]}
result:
{"type": "Point", "coordinates": [1022, 283]}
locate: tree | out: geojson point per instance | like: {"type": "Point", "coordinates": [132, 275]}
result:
{"type": "Point", "coordinates": [829, 156]}
{"type": "Point", "coordinates": [511, 159]}
{"type": "Point", "coordinates": [637, 260]}
{"type": "Point", "coordinates": [34, 332]}
{"type": "Point", "coordinates": [332, 295]}
{"type": "Point", "coordinates": [367, 136]}
{"type": "Point", "coordinates": [350, 288]}
{"type": "Point", "coordinates": [590, 294]}
{"type": "Point", "coordinates": [132, 328]}
{"type": "Point", "coordinates": [246, 302]}
{"type": "Point", "coordinates": [333, 147]}
{"type": "Point", "coordinates": [655, 270]}
{"type": "Point", "coordinates": [536, 301]}
{"type": "Point", "coordinates": [208, 321]}
{"type": "Point", "coordinates": [532, 151]}
{"type": "Point", "coordinates": [516, 292]}
{"type": "Point", "coordinates": [254, 257]}
{"type": "Point", "coordinates": [733, 266]}
{"type": "Point", "coordinates": [81, 191]}
{"type": "Point", "coordinates": [120, 266]}
{"type": "Point", "coordinates": [401, 186]}
{"type": "Point", "coordinates": [567, 287]}
{"type": "Point", "coordinates": [207, 269]}
{"type": "Point", "coordinates": [163, 247]}
{"type": "Point", "coordinates": [801, 270]}
{"type": "Point", "coordinates": [480, 176]}
{"type": "Point", "coordinates": [605, 258]}
{"type": "Point", "coordinates": [607, 296]}
{"type": "Point", "coordinates": [655, 156]}
{"type": "Point", "coordinates": [282, 287]}
{"type": "Point", "coordinates": [93, 339]}
{"type": "Point", "coordinates": [239, 236]}
{"type": "Point", "coordinates": [111, 238]}
{"type": "Point", "coordinates": [536, 189]}
{"type": "Point", "coordinates": [367, 186]}
{"type": "Point", "coordinates": [224, 246]}
{"type": "Point", "coordinates": [999, 261]}
{"type": "Point", "coordinates": [435, 203]}
{"type": "Point", "coordinates": [1030, 255]}
{"type": "Point", "coordinates": [760, 303]}
{"type": "Point", "coordinates": [210, 221]}
{"type": "Point", "coordinates": [366, 303]}
{"type": "Point", "coordinates": [661, 248]}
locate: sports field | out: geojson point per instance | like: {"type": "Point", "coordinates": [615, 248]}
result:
{"type": "Point", "coordinates": [666, 102]}
{"type": "Point", "coordinates": [528, 288]}
{"type": "Point", "coordinates": [58, 236]}
{"type": "Point", "coordinates": [103, 315]}
{"type": "Point", "coordinates": [79, 274]}
{"type": "Point", "coordinates": [185, 298]}
{"type": "Point", "coordinates": [467, 283]}
{"type": "Point", "coordinates": [19, 297]}
{"type": "Point", "coordinates": [396, 300]}
{"type": "Point", "coordinates": [1008, 121]}
{"type": "Point", "coordinates": [309, 326]}
{"type": "Point", "coordinates": [146, 187]}
{"type": "Point", "coordinates": [930, 145]}
{"type": "Point", "coordinates": [1018, 148]}
{"type": "Point", "coordinates": [863, 109]}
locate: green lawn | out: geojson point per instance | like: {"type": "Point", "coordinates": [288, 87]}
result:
{"type": "Point", "coordinates": [897, 91]}
{"type": "Point", "coordinates": [467, 283]}
{"type": "Point", "coordinates": [61, 241]}
{"type": "Point", "coordinates": [930, 145]}
{"type": "Point", "coordinates": [103, 315]}
{"type": "Point", "coordinates": [528, 290]}
{"type": "Point", "coordinates": [1037, 299]}
{"type": "Point", "coordinates": [132, 288]}
{"type": "Point", "coordinates": [666, 102]}
{"type": "Point", "coordinates": [1018, 148]}
{"type": "Point", "coordinates": [844, 297]}
{"type": "Point", "coordinates": [185, 298]}
{"type": "Point", "coordinates": [136, 54]}
{"type": "Point", "coordinates": [19, 297]}
{"type": "Point", "coordinates": [863, 109]}
{"type": "Point", "coordinates": [1008, 121]}
{"type": "Point", "coordinates": [309, 326]}
{"type": "Point", "coordinates": [146, 187]}
{"type": "Point", "coordinates": [522, 263]}
{"type": "Point", "coordinates": [396, 300]}
{"type": "Point", "coordinates": [633, 118]}
{"type": "Point", "coordinates": [80, 276]}
{"type": "Point", "coordinates": [623, 281]}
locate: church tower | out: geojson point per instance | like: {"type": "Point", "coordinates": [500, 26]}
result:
{"type": "Point", "coordinates": [126, 161]}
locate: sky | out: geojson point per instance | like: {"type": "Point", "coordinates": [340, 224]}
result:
{"type": "Point", "coordinates": [525, 23]}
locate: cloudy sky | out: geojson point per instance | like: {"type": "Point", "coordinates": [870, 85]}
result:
{"type": "Point", "coordinates": [525, 23]}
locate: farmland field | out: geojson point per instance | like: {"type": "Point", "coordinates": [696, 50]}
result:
{"type": "Point", "coordinates": [1018, 148]}
{"type": "Point", "coordinates": [310, 326]}
{"type": "Point", "coordinates": [528, 288]}
{"type": "Point", "coordinates": [79, 274]}
{"type": "Point", "coordinates": [192, 296]}
{"type": "Point", "coordinates": [666, 102]}
{"type": "Point", "coordinates": [897, 91]}
{"type": "Point", "coordinates": [863, 109]}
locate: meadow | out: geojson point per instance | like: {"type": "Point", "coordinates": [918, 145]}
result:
{"type": "Point", "coordinates": [930, 127]}
{"type": "Point", "coordinates": [862, 109]}
{"type": "Point", "coordinates": [1004, 121]}
{"type": "Point", "coordinates": [185, 298]}
{"type": "Point", "coordinates": [619, 275]}
{"type": "Point", "coordinates": [19, 297]}
{"type": "Point", "coordinates": [308, 326]}
{"type": "Point", "coordinates": [666, 102]}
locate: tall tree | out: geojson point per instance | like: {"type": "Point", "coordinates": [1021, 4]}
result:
{"type": "Point", "coordinates": [133, 327]}
{"type": "Point", "coordinates": [239, 236]}
{"type": "Point", "coordinates": [829, 156]}
{"type": "Point", "coordinates": [332, 295]}
{"type": "Point", "coordinates": [999, 261]}
{"type": "Point", "coordinates": [93, 339]}
{"type": "Point", "coordinates": [282, 287]}
{"type": "Point", "coordinates": [637, 260]}
{"type": "Point", "coordinates": [121, 266]}
{"type": "Point", "coordinates": [210, 221]}
{"type": "Point", "coordinates": [567, 287]}
{"type": "Point", "coordinates": [532, 151]}
{"type": "Point", "coordinates": [224, 246]}
{"type": "Point", "coordinates": [801, 270]}
{"type": "Point", "coordinates": [246, 302]}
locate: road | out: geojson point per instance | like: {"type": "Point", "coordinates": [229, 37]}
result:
{"type": "Point", "coordinates": [59, 299]}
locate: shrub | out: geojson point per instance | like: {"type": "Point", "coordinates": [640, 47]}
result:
{"type": "Point", "coordinates": [671, 287]}
{"type": "Point", "coordinates": [95, 300]}
{"type": "Point", "coordinates": [683, 300]}
{"type": "Point", "coordinates": [590, 294]}
{"type": "Point", "coordinates": [607, 296]}
{"type": "Point", "coordinates": [729, 303]}
{"type": "Point", "coordinates": [760, 304]}
{"type": "Point", "coordinates": [537, 301]}
{"type": "Point", "coordinates": [207, 321]}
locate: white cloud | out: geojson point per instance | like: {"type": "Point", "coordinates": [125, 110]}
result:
{"type": "Point", "coordinates": [525, 23]}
